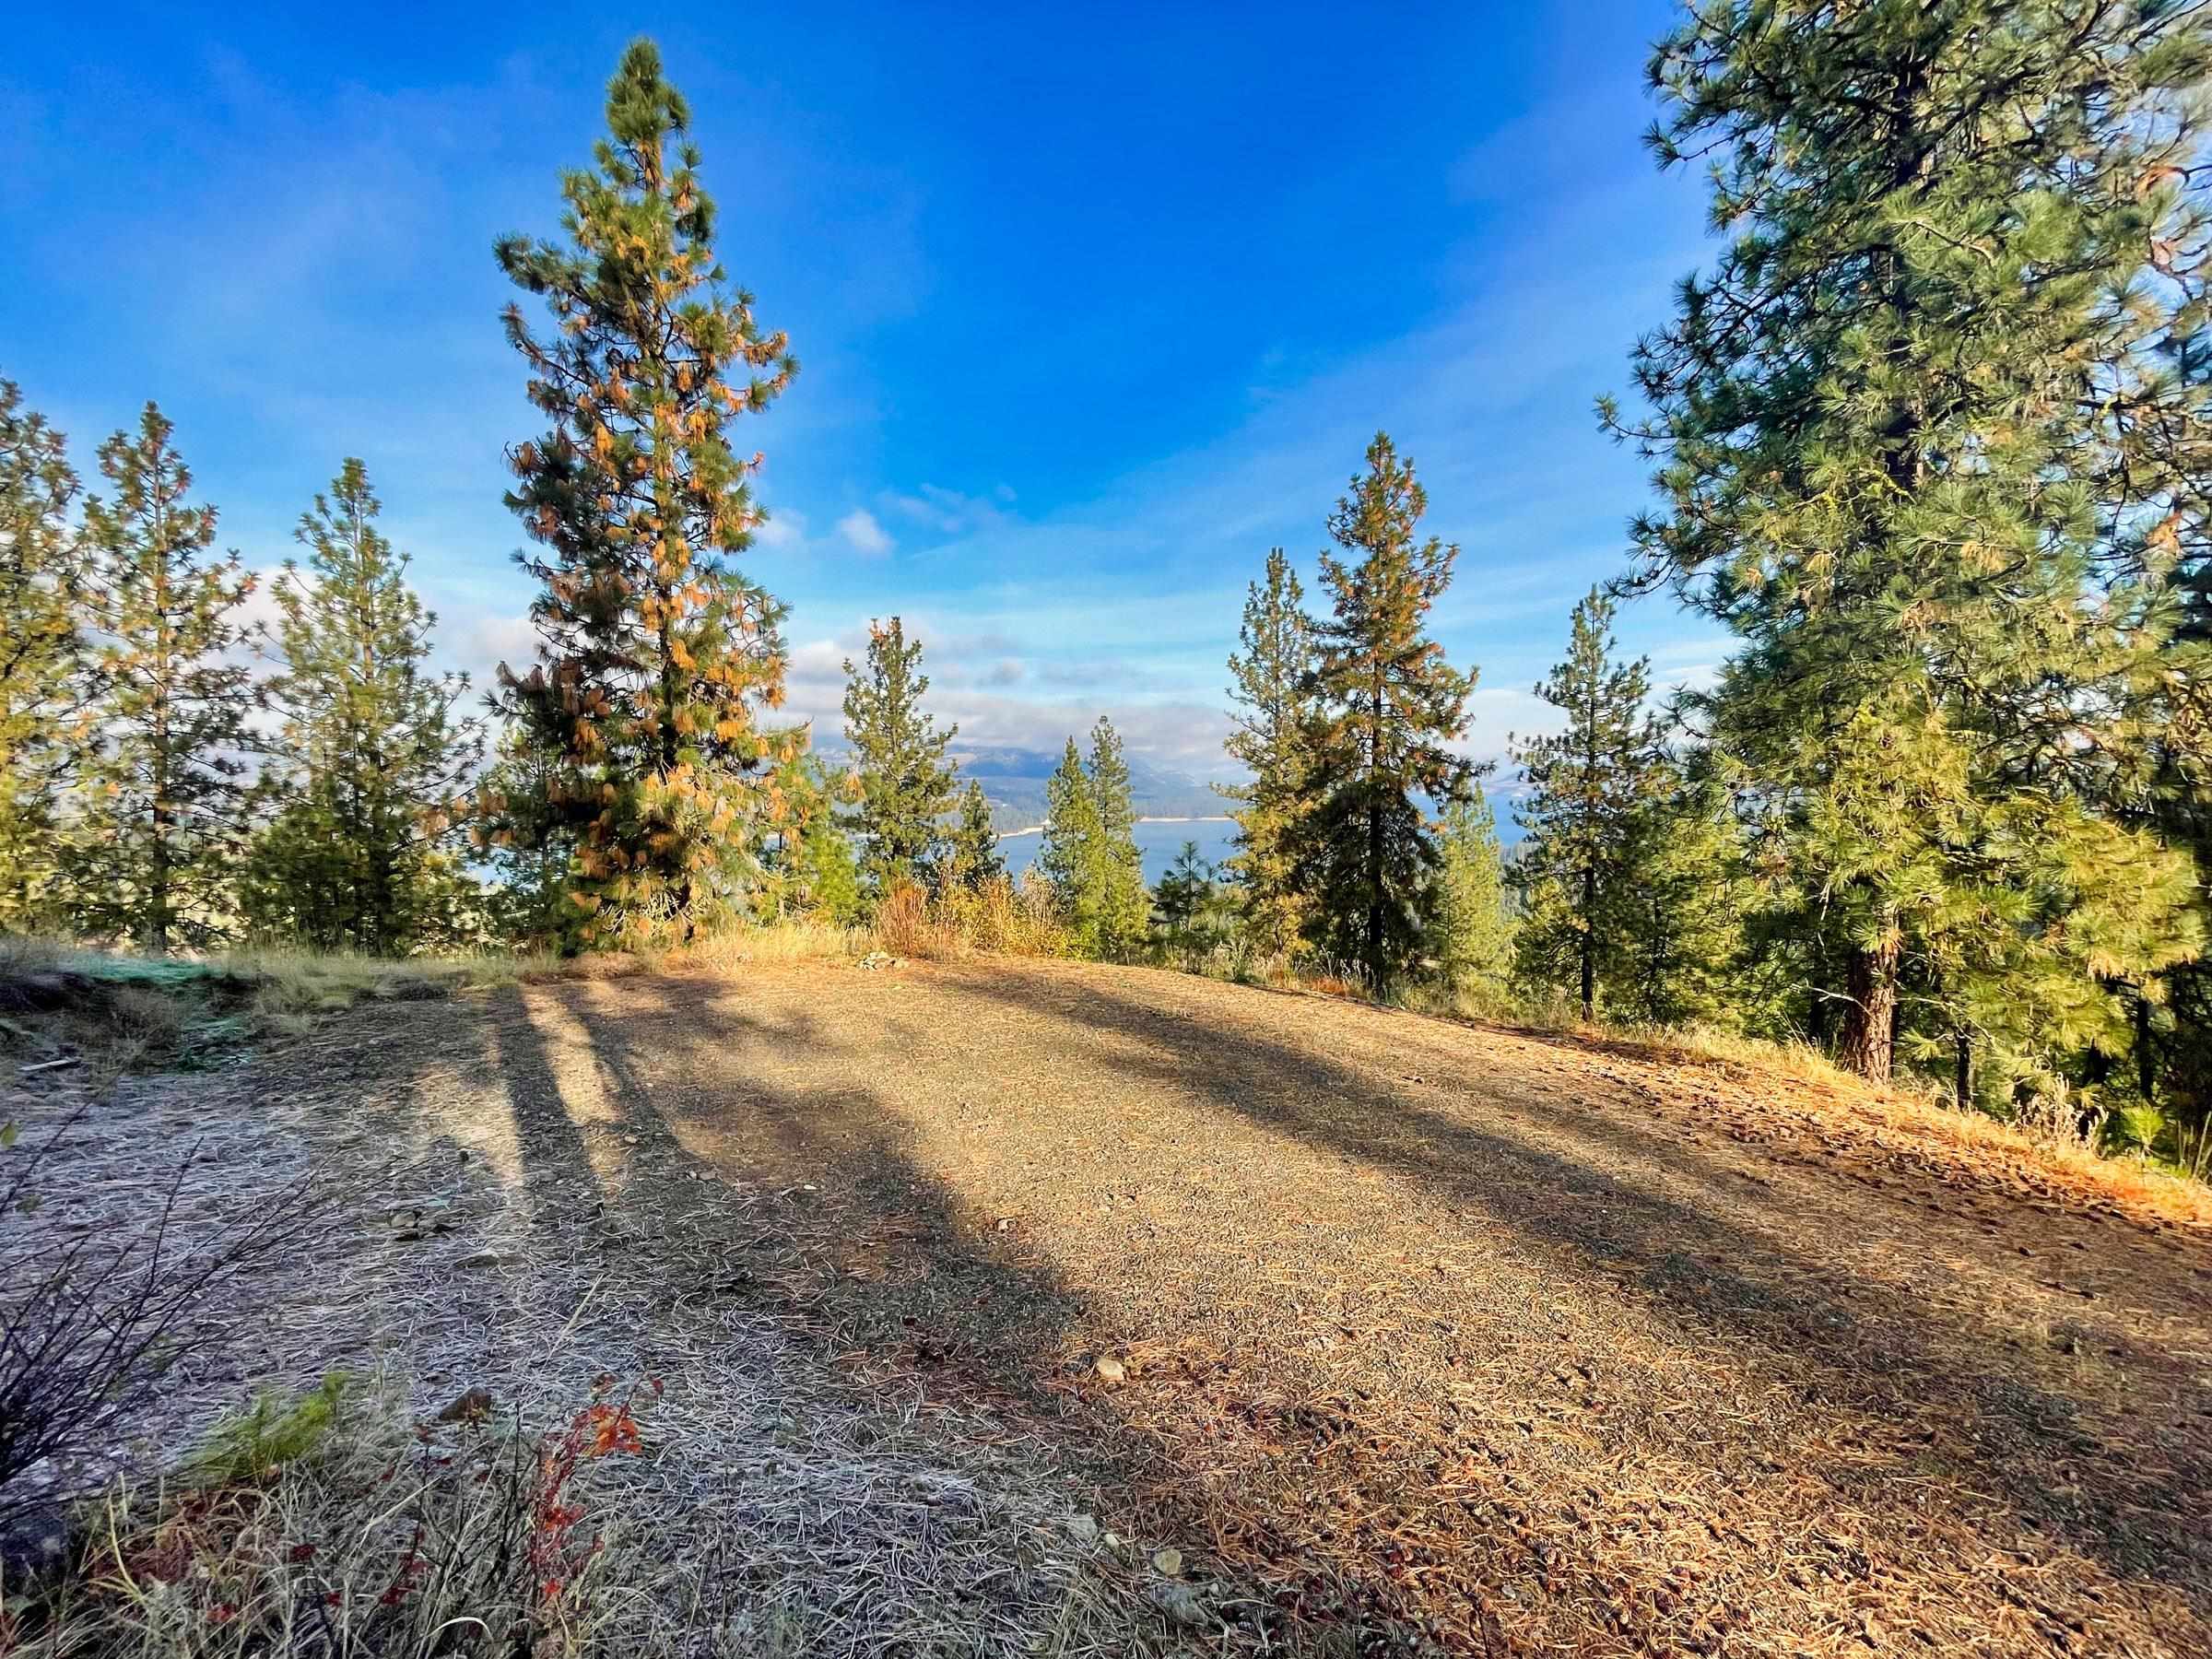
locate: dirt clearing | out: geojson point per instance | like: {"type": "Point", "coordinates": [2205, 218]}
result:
{"type": "Point", "coordinates": [1414, 1335]}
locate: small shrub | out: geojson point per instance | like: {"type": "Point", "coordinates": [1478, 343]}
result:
{"type": "Point", "coordinates": [144, 1024]}
{"type": "Point", "coordinates": [273, 1431]}
{"type": "Point", "coordinates": [90, 1325]}
{"type": "Point", "coordinates": [344, 1531]}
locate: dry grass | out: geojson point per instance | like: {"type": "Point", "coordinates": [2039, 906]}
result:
{"type": "Point", "coordinates": [2129, 1180]}
{"type": "Point", "coordinates": [1498, 1341]}
{"type": "Point", "coordinates": [1426, 1333]}
{"type": "Point", "coordinates": [907, 924]}
{"type": "Point", "coordinates": [506, 1231]}
{"type": "Point", "coordinates": [371, 1535]}
{"type": "Point", "coordinates": [796, 939]}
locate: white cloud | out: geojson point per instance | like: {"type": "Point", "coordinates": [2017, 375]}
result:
{"type": "Point", "coordinates": [787, 527]}
{"type": "Point", "coordinates": [490, 641]}
{"type": "Point", "coordinates": [948, 512]}
{"type": "Point", "coordinates": [859, 528]}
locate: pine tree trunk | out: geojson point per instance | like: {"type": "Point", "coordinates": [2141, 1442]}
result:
{"type": "Point", "coordinates": [1589, 944]}
{"type": "Point", "coordinates": [1870, 1012]}
{"type": "Point", "coordinates": [2147, 1071]}
{"type": "Point", "coordinates": [1962, 1070]}
{"type": "Point", "coordinates": [1377, 969]}
{"type": "Point", "coordinates": [158, 864]}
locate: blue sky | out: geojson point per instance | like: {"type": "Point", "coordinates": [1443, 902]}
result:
{"type": "Point", "coordinates": [1093, 306]}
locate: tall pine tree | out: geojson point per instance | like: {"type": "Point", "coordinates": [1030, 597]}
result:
{"type": "Point", "coordinates": [1124, 906]}
{"type": "Point", "coordinates": [163, 798]}
{"type": "Point", "coordinates": [1472, 931]}
{"type": "Point", "coordinates": [1270, 735]}
{"type": "Point", "coordinates": [368, 754]}
{"type": "Point", "coordinates": [658, 655]}
{"type": "Point", "coordinates": [1591, 787]}
{"type": "Point", "coordinates": [1679, 923]}
{"type": "Point", "coordinates": [42, 659]}
{"type": "Point", "coordinates": [1911, 425]}
{"type": "Point", "coordinates": [1089, 855]}
{"type": "Point", "coordinates": [905, 787]}
{"type": "Point", "coordinates": [1388, 704]}
{"type": "Point", "coordinates": [973, 858]}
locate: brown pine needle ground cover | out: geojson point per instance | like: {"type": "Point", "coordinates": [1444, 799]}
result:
{"type": "Point", "coordinates": [1420, 1334]}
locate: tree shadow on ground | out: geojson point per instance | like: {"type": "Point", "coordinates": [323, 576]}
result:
{"type": "Point", "coordinates": [2135, 1501]}
{"type": "Point", "coordinates": [875, 1251]}
{"type": "Point", "coordinates": [889, 1267]}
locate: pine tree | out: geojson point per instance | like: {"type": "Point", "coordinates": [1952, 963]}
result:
{"type": "Point", "coordinates": [973, 859]}
{"type": "Point", "coordinates": [528, 846]}
{"type": "Point", "coordinates": [1916, 426]}
{"type": "Point", "coordinates": [814, 869]}
{"type": "Point", "coordinates": [368, 754]}
{"type": "Point", "coordinates": [1180, 897]}
{"type": "Point", "coordinates": [163, 796]}
{"type": "Point", "coordinates": [42, 659]}
{"type": "Point", "coordinates": [904, 784]}
{"type": "Point", "coordinates": [2018, 904]}
{"type": "Point", "coordinates": [1118, 873]}
{"type": "Point", "coordinates": [1270, 736]}
{"type": "Point", "coordinates": [658, 655]}
{"type": "Point", "coordinates": [1089, 854]}
{"type": "Point", "coordinates": [1680, 918]}
{"type": "Point", "coordinates": [1472, 934]}
{"type": "Point", "coordinates": [1388, 704]}
{"type": "Point", "coordinates": [1590, 788]}
{"type": "Point", "coordinates": [1065, 851]}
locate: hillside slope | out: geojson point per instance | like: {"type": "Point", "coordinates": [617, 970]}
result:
{"type": "Point", "coordinates": [1436, 1333]}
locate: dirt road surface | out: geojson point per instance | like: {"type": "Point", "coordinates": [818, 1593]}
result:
{"type": "Point", "coordinates": [1417, 1337]}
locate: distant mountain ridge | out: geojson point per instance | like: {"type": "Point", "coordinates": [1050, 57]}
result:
{"type": "Point", "coordinates": [1014, 781]}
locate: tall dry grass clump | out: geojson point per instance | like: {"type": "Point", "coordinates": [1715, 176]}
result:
{"type": "Point", "coordinates": [335, 1526]}
{"type": "Point", "coordinates": [1006, 916]}
{"type": "Point", "coordinates": [1018, 918]}
{"type": "Point", "coordinates": [788, 939]}
{"type": "Point", "coordinates": [908, 924]}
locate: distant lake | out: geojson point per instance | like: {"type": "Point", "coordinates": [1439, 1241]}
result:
{"type": "Point", "coordinates": [1158, 842]}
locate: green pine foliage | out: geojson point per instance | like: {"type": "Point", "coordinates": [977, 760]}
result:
{"type": "Point", "coordinates": [1472, 934]}
{"type": "Point", "coordinates": [1089, 855]}
{"type": "Point", "coordinates": [1124, 906]}
{"type": "Point", "coordinates": [1066, 852]}
{"type": "Point", "coordinates": [1186, 914]}
{"type": "Point", "coordinates": [2020, 908]}
{"type": "Point", "coordinates": [814, 869]}
{"type": "Point", "coordinates": [42, 661]}
{"type": "Point", "coordinates": [1270, 736]}
{"type": "Point", "coordinates": [1590, 786]}
{"type": "Point", "coordinates": [1679, 922]}
{"type": "Point", "coordinates": [163, 803]}
{"type": "Point", "coordinates": [973, 859]}
{"type": "Point", "coordinates": [658, 657]}
{"type": "Point", "coordinates": [1387, 705]}
{"type": "Point", "coordinates": [526, 846]}
{"type": "Point", "coordinates": [902, 783]}
{"type": "Point", "coordinates": [368, 754]}
{"type": "Point", "coordinates": [1916, 436]}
